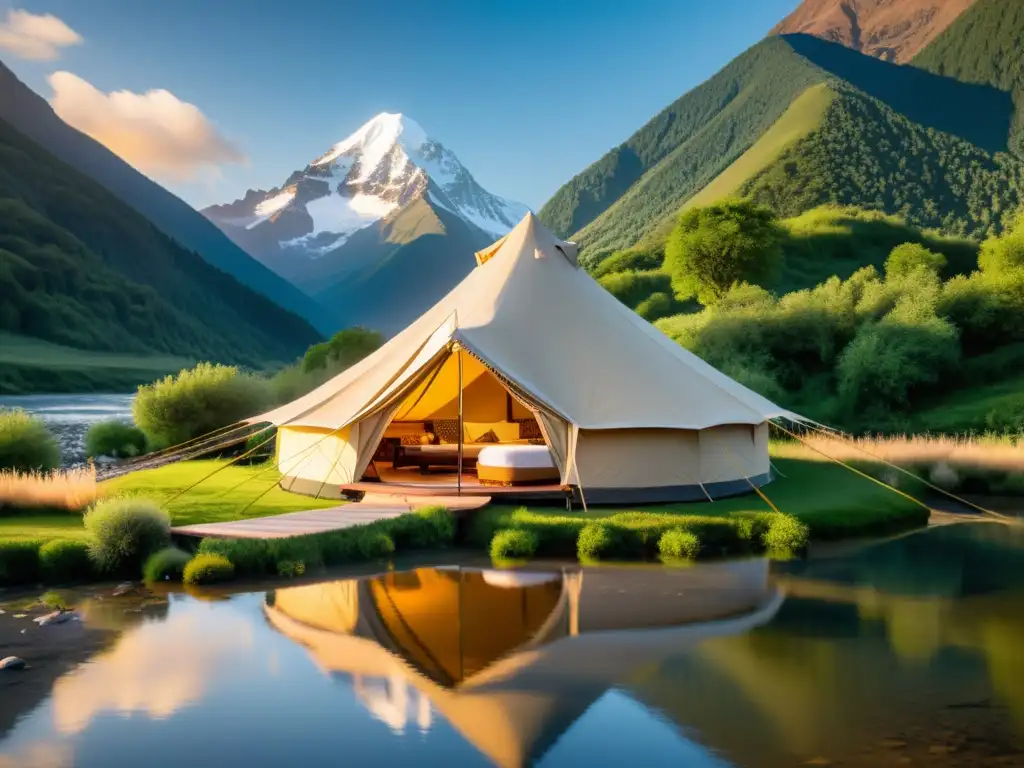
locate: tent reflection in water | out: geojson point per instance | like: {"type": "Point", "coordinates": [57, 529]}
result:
{"type": "Point", "coordinates": [512, 659]}
{"type": "Point", "coordinates": [529, 348]}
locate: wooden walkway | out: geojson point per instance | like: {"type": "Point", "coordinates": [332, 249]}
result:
{"type": "Point", "coordinates": [371, 509]}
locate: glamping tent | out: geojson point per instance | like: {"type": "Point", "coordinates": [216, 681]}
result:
{"type": "Point", "coordinates": [529, 371]}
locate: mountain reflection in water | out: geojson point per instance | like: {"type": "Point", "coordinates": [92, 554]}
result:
{"type": "Point", "coordinates": [884, 653]}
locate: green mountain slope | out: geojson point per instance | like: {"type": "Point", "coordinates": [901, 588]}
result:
{"type": "Point", "coordinates": [81, 268]}
{"type": "Point", "coordinates": [866, 154]}
{"type": "Point", "coordinates": [689, 142]}
{"type": "Point", "coordinates": [947, 140]}
{"type": "Point", "coordinates": [985, 45]}
{"type": "Point", "coordinates": [29, 113]}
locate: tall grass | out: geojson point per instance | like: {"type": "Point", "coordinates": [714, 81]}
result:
{"type": "Point", "coordinates": [987, 463]}
{"type": "Point", "coordinates": [991, 452]}
{"type": "Point", "coordinates": [71, 489]}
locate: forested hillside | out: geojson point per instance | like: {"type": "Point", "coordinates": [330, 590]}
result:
{"type": "Point", "coordinates": [30, 114]}
{"type": "Point", "coordinates": [865, 153]}
{"type": "Point", "coordinates": [985, 45]}
{"type": "Point", "coordinates": [689, 142]}
{"type": "Point", "coordinates": [897, 139]}
{"type": "Point", "coordinates": [79, 267]}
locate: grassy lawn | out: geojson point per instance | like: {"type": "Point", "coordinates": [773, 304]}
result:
{"type": "Point", "coordinates": [219, 498]}
{"type": "Point", "coordinates": [831, 500]}
{"type": "Point", "coordinates": [42, 527]}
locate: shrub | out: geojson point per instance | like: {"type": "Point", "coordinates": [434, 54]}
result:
{"type": "Point", "coordinates": [114, 438]}
{"type": "Point", "coordinates": [908, 258]}
{"type": "Point", "coordinates": [208, 569]}
{"type": "Point", "coordinates": [594, 540]}
{"type": "Point", "coordinates": [374, 545]}
{"type": "Point", "coordinates": [713, 248]}
{"type": "Point", "coordinates": [25, 442]}
{"type": "Point", "coordinates": [196, 402]}
{"type": "Point", "coordinates": [637, 259]}
{"type": "Point", "coordinates": [19, 561]}
{"type": "Point", "coordinates": [65, 560]}
{"type": "Point", "coordinates": [513, 544]}
{"type": "Point", "coordinates": [786, 535]}
{"type": "Point", "coordinates": [679, 545]}
{"type": "Point", "coordinates": [632, 288]}
{"type": "Point", "coordinates": [124, 532]}
{"type": "Point", "coordinates": [167, 564]}
{"type": "Point", "coordinates": [655, 307]}
{"type": "Point", "coordinates": [343, 350]}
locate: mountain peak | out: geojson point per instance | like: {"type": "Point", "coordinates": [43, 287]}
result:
{"type": "Point", "coordinates": [380, 169]}
{"type": "Point", "coordinates": [378, 136]}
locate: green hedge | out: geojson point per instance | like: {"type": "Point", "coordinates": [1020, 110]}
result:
{"type": "Point", "coordinates": [431, 528]}
{"type": "Point", "coordinates": [64, 561]}
{"type": "Point", "coordinates": [19, 561]}
{"type": "Point", "coordinates": [637, 535]}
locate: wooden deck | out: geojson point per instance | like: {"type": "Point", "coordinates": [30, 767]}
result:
{"type": "Point", "coordinates": [408, 482]}
{"type": "Point", "coordinates": [371, 509]}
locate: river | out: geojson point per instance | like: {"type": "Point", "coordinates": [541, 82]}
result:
{"type": "Point", "coordinates": [70, 416]}
{"type": "Point", "coordinates": [901, 652]}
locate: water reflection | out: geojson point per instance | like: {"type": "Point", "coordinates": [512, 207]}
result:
{"type": "Point", "coordinates": [512, 659]}
{"type": "Point", "coordinates": [910, 650]}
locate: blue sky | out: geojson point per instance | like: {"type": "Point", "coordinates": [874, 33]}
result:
{"type": "Point", "coordinates": [525, 93]}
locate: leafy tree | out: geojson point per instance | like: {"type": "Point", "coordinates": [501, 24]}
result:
{"type": "Point", "coordinates": [713, 248]}
{"type": "Point", "coordinates": [1000, 255]}
{"type": "Point", "coordinates": [344, 349]}
{"type": "Point", "coordinates": [640, 259]}
{"type": "Point", "coordinates": [908, 258]}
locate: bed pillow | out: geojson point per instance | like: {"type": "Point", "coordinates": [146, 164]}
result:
{"type": "Point", "coordinates": [529, 429]}
{"type": "Point", "coordinates": [487, 437]}
{"type": "Point", "coordinates": [447, 431]}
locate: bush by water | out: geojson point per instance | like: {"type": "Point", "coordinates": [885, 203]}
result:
{"type": "Point", "coordinates": [124, 532]}
{"type": "Point", "coordinates": [114, 438]}
{"type": "Point", "coordinates": [25, 442]}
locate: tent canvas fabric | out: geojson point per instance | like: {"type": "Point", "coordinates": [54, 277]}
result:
{"type": "Point", "coordinates": [626, 412]}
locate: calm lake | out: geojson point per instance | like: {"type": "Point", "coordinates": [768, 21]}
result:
{"type": "Point", "coordinates": [903, 652]}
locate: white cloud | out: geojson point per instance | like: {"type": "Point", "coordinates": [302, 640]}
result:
{"type": "Point", "coordinates": [36, 37]}
{"type": "Point", "coordinates": [154, 131]}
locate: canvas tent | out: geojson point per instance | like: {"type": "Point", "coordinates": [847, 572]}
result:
{"type": "Point", "coordinates": [627, 414]}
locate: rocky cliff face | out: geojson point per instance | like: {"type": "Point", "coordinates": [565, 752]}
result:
{"type": "Point", "coordinates": [894, 30]}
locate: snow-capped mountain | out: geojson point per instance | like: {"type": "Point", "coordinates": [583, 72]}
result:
{"type": "Point", "coordinates": [359, 182]}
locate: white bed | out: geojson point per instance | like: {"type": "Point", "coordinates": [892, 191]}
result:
{"type": "Point", "coordinates": [513, 464]}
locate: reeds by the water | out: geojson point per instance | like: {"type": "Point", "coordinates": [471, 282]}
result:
{"type": "Point", "coordinates": [71, 489]}
{"type": "Point", "coordinates": [989, 452]}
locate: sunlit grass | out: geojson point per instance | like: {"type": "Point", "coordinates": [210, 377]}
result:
{"type": "Point", "coordinates": [1003, 453]}
{"type": "Point", "coordinates": [72, 489]}
{"type": "Point", "coordinates": [216, 497]}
